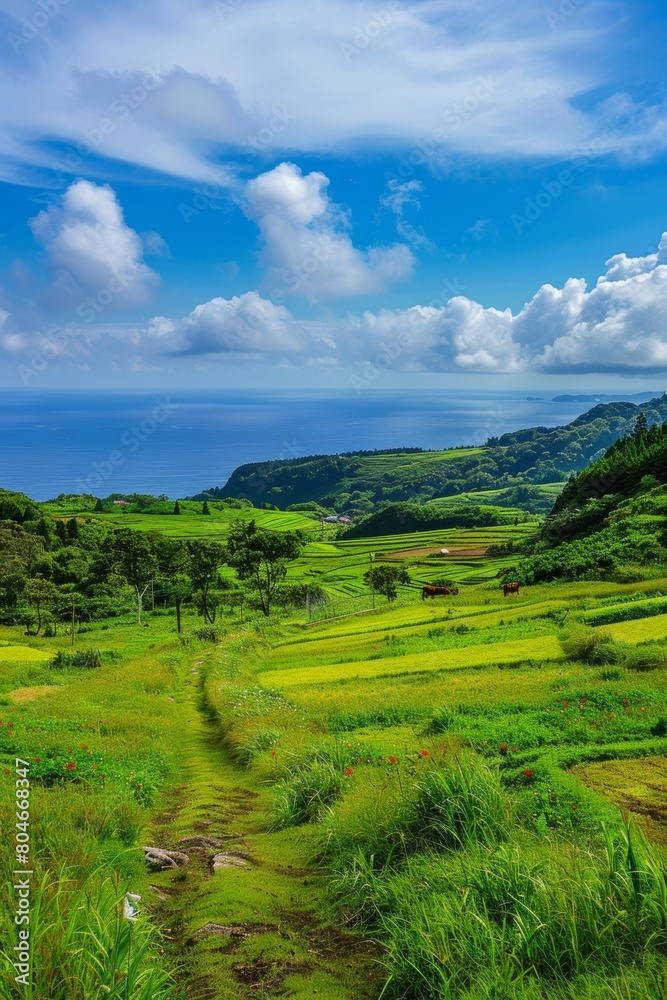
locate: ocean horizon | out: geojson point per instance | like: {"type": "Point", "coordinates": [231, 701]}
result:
{"type": "Point", "coordinates": [180, 442]}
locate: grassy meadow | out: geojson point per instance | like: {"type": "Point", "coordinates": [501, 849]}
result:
{"type": "Point", "coordinates": [450, 799]}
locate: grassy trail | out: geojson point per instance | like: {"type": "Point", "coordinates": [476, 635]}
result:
{"type": "Point", "coordinates": [269, 935]}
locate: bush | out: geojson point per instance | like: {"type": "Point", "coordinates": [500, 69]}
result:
{"type": "Point", "coordinates": [207, 634]}
{"type": "Point", "coordinates": [587, 645]}
{"type": "Point", "coordinates": [88, 659]}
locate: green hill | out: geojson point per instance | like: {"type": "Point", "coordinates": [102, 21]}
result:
{"type": "Point", "coordinates": [611, 518]}
{"type": "Point", "coordinates": [360, 481]}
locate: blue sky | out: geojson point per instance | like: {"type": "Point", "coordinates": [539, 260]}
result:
{"type": "Point", "coordinates": [262, 192]}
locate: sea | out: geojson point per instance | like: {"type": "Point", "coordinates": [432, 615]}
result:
{"type": "Point", "coordinates": [179, 443]}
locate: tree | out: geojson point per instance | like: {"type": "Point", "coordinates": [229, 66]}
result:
{"type": "Point", "coordinates": [260, 557]}
{"type": "Point", "coordinates": [134, 555]}
{"type": "Point", "coordinates": [172, 558]}
{"type": "Point", "coordinates": [99, 506]}
{"type": "Point", "coordinates": [42, 596]}
{"type": "Point", "coordinates": [72, 530]}
{"type": "Point", "coordinates": [641, 426]}
{"type": "Point", "coordinates": [204, 562]}
{"type": "Point", "coordinates": [385, 579]}
{"type": "Point", "coordinates": [177, 508]}
{"type": "Point", "coordinates": [205, 508]}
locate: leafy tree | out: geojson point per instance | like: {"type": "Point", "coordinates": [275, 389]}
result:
{"type": "Point", "coordinates": [204, 562]}
{"type": "Point", "coordinates": [385, 580]}
{"type": "Point", "coordinates": [99, 506]}
{"type": "Point", "coordinates": [172, 558]}
{"type": "Point", "coordinates": [205, 508]}
{"type": "Point", "coordinates": [42, 596]}
{"type": "Point", "coordinates": [177, 508]}
{"type": "Point", "coordinates": [260, 557]}
{"type": "Point", "coordinates": [134, 556]}
{"type": "Point", "coordinates": [72, 529]}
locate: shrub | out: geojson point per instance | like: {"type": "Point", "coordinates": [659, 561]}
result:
{"type": "Point", "coordinates": [207, 634]}
{"type": "Point", "coordinates": [587, 645]}
{"type": "Point", "coordinates": [88, 659]}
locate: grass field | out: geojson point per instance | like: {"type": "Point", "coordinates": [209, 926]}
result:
{"type": "Point", "coordinates": [423, 802]}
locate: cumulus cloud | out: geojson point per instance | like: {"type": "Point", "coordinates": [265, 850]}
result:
{"type": "Point", "coordinates": [92, 249]}
{"type": "Point", "coordinates": [619, 325]}
{"type": "Point", "coordinates": [246, 324]}
{"type": "Point", "coordinates": [307, 246]}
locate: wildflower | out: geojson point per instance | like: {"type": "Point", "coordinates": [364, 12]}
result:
{"type": "Point", "coordinates": [392, 760]}
{"type": "Point", "coordinates": [528, 773]}
{"type": "Point", "coordinates": [566, 703]}
{"type": "Point", "coordinates": [425, 753]}
{"type": "Point", "coordinates": [503, 747]}
{"type": "Point", "coordinates": [611, 715]}
{"type": "Point", "coordinates": [643, 709]}
{"type": "Point", "coordinates": [273, 753]}
{"type": "Point", "coordinates": [514, 749]}
{"type": "Point", "coordinates": [349, 771]}
{"type": "Point", "coordinates": [358, 760]}
{"type": "Point", "coordinates": [574, 807]}
{"type": "Point", "coordinates": [7, 772]}
{"type": "Point", "coordinates": [72, 766]}
{"type": "Point", "coordinates": [84, 746]}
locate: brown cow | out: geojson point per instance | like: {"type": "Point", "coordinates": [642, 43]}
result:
{"type": "Point", "coordinates": [429, 591]}
{"type": "Point", "coordinates": [510, 588]}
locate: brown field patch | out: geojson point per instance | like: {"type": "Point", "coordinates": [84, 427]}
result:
{"type": "Point", "coordinates": [29, 694]}
{"type": "Point", "coordinates": [636, 786]}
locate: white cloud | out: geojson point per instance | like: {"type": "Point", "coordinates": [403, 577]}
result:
{"type": "Point", "coordinates": [617, 326]}
{"type": "Point", "coordinates": [399, 195]}
{"type": "Point", "coordinates": [348, 73]}
{"type": "Point", "coordinates": [246, 324]}
{"type": "Point", "coordinates": [92, 249]}
{"type": "Point", "coordinates": [307, 247]}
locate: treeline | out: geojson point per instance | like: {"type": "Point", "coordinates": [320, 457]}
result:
{"type": "Point", "coordinates": [351, 482]}
{"type": "Point", "coordinates": [610, 521]}
{"type": "Point", "coordinates": [398, 518]}
{"type": "Point", "coordinates": [46, 564]}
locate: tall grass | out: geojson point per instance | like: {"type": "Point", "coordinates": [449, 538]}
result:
{"type": "Point", "coordinates": [82, 947]}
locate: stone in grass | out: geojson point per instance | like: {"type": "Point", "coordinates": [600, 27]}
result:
{"type": "Point", "coordinates": [200, 841]}
{"type": "Point", "coordinates": [162, 860]}
{"type": "Point", "coordinates": [230, 859]}
{"type": "Point", "coordinates": [230, 931]}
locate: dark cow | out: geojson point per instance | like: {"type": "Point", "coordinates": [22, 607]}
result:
{"type": "Point", "coordinates": [510, 588]}
{"type": "Point", "coordinates": [439, 592]}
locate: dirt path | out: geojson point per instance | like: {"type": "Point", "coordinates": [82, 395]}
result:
{"type": "Point", "coordinates": [241, 918]}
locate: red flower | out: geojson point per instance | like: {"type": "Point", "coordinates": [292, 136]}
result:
{"type": "Point", "coordinates": [528, 773]}
{"type": "Point", "coordinates": [7, 772]}
{"type": "Point", "coordinates": [72, 765]}
{"type": "Point", "coordinates": [574, 807]}
{"type": "Point", "coordinates": [503, 747]}
{"type": "Point", "coordinates": [514, 749]}
{"type": "Point", "coordinates": [273, 753]}
{"type": "Point", "coordinates": [425, 753]}
{"type": "Point", "coordinates": [84, 746]}
{"type": "Point", "coordinates": [392, 760]}
{"type": "Point", "coordinates": [349, 771]}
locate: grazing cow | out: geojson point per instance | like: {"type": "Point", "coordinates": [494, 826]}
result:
{"type": "Point", "coordinates": [439, 592]}
{"type": "Point", "coordinates": [510, 588]}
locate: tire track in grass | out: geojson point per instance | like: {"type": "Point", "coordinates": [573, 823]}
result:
{"type": "Point", "coordinates": [241, 918]}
